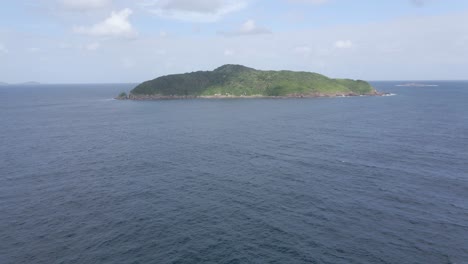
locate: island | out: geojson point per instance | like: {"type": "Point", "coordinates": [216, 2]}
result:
{"type": "Point", "coordinates": [24, 83]}
{"type": "Point", "coordinates": [416, 85]}
{"type": "Point", "coordinates": [237, 81]}
{"type": "Point", "coordinates": [30, 83]}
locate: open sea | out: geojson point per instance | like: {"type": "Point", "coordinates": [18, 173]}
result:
{"type": "Point", "coordinates": [88, 179]}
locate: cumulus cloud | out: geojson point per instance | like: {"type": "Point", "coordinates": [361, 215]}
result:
{"type": "Point", "coordinates": [117, 25]}
{"type": "Point", "coordinates": [194, 11]}
{"type": "Point", "coordinates": [84, 5]}
{"type": "Point", "coordinates": [343, 44]}
{"type": "Point", "coordinates": [249, 27]}
{"type": "Point", "coordinates": [228, 52]}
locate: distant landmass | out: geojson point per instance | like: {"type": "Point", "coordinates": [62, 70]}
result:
{"type": "Point", "coordinates": [240, 81]}
{"type": "Point", "coordinates": [30, 83]}
{"type": "Point", "coordinates": [24, 83]}
{"type": "Point", "coordinates": [416, 85]}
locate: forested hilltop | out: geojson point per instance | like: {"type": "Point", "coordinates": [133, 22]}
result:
{"type": "Point", "coordinates": [239, 81]}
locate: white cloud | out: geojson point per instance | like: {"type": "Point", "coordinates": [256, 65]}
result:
{"type": "Point", "coordinates": [84, 5]}
{"type": "Point", "coordinates": [391, 49]}
{"type": "Point", "coordinates": [163, 34]}
{"type": "Point", "coordinates": [93, 46]}
{"type": "Point", "coordinates": [228, 52]}
{"type": "Point", "coordinates": [194, 11]}
{"type": "Point", "coordinates": [249, 27]}
{"type": "Point", "coordinates": [3, 49]}
{"type": "Point", "coordinates": [117, 25]}
{"type": "Point", "coordinates": [343, 44]}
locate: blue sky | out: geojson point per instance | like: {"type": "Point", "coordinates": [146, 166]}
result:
{"type": "Point", "coordinates": [99, 41]}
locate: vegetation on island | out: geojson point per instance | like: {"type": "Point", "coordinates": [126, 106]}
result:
{"type": "Point", "coordinates": [238, 80]}
{"type": "Point", "coordinates": [122, 95]}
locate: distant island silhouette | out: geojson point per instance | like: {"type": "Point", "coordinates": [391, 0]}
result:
{"type": "Point", "coordinates": [23, 83]}
{"type": "Point", "coordinates": [415, 85]}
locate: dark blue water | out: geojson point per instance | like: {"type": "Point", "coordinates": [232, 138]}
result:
{"type": "Point", "coordinates": [86, 179]}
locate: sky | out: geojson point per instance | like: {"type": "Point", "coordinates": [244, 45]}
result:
{"type": "Point", "coordinates": [115, 41]}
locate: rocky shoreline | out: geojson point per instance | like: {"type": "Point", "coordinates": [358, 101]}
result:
{"type": "Point", "coordinates": [147, 97]}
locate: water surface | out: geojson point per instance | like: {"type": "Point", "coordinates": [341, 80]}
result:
{"type": "Point", "coordinates": [88, 179]}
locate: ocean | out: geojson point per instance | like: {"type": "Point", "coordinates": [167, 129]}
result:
{"type": "Point", "coordinates": [88, 179]}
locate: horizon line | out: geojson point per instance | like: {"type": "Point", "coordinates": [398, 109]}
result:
{"type": "Point", "coordinates": [102, 83]}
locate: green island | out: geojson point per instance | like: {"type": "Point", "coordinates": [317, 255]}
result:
{"type": "Point", "coordinates": [237, 81]}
